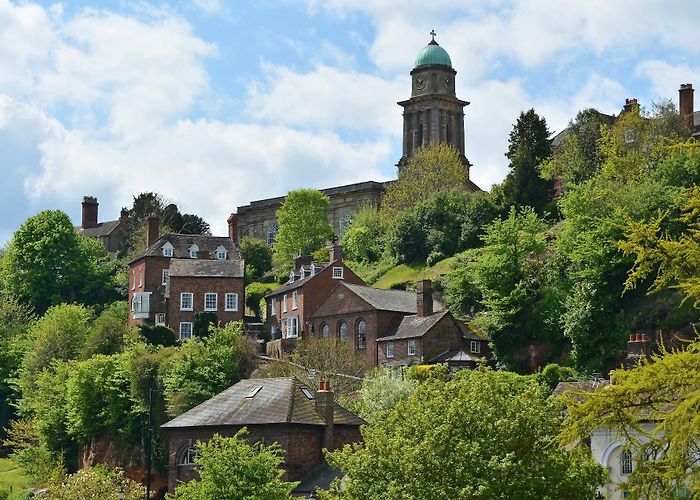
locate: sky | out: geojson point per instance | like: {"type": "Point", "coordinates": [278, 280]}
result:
{"type": "Point", "coordinates": [214, 104]}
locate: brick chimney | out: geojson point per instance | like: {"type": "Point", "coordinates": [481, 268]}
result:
{"type": "Point", "coordinates": [325, 407]}
{"type": "Point", "coordinates": [89, 212]}
{"type": "Point", "coordinates": [233, 227]}
{"type": "Point", "coordinates": [686, 104]}
{"type": "Point", "coordinates": [424, 298]}
{"type": "Point", "coordinates": [153, 229]}
{"type": "Point", "coordinates": [639, 346]}
{"type": "Point", "coordinates": [336, 251]}
{"type": "Point", "coordinates": [630, 104]}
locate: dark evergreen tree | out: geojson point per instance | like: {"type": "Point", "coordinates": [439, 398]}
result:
{"type": "Point", "coordinates": [529, 145]}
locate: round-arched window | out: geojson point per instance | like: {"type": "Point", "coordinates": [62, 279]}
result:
{"type": "Point", "coordinates": [343, 330]}
{"type": "Point", "coordinates": [272, 231]}
{"type": "Point", "coordinates": [361, 334]}
{"type": "Point", "coordinates": [344, 223]}
{"type": "Point", "coordinates": [188, 456]}
{"type": "Point", "coordinates": [325, 331]}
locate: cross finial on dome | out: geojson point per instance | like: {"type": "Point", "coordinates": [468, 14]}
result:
{"type": "Point", "coordinates": [432, 32]}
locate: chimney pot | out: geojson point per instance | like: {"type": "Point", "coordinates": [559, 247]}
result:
{"type": "Point", "coordinates": [153, 229]}
{"type": "Point", "coordinates": [424, 298]}
{"type": "Point", "coordinates": [89, 213]}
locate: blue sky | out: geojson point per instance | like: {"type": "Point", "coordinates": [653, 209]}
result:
{"type": "Point", "coordinates": [214, 104]}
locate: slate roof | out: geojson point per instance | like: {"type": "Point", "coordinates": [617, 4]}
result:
{"type": "Point", "coordinates": [389, 300]}
{"type": "Point", "coordinates": [200, 268]}
{"type": "Point", "coordinates": [279, 401]}
{"type": "Point", "coordinates": [299, 282]}
{"type": "Point", "coordinates": [696, 124]}
{"type": "Point", "coordinates": [182, 242]}
{"type": "Point", "coordinates": [101, 229]}
{"type": "Point", "coordinates": [413, 326]}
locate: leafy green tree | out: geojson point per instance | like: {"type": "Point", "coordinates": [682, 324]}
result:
{"type": "Point", "coordinates": [109, 331]}
{"type": "Point", "coordinates": [379, 393]}
{"type": "Point", "coordinates": [528, 146]}
{"type": "Point", "coordinates": [15, 320]}
{"type": "Point", "coordinates": [303, 222]}
{"type": "Point", "coordinates": [483, 434]}
{"type": "Point", "coordinates": [204, 367]}
{"type": "Point", "coordinates": [258, 255]}
{"type": "Point", "coordinates": [254, 297]}
{"type": "Point", "coordinates": [663, 390]}
{"type": "Point", "coordinates": [432, 169]}
{"type": "Point", "coordinates": [47, 263]}
{"type": "Point", "coordinates": [519, 287]}
{"type": "Point", "coordinates": [363, 241]}
{"type": "Point", "coordinates": [231, 469]}
{"type": "Point", "coordinates": [91, 483]}
{"type": "Point", "coordinates": [462, 295]}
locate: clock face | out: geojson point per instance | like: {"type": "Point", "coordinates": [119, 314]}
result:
{"type": "Point", "coordinates": [420, 82]}
{"type": "Point", "coordinates": [447, 82]}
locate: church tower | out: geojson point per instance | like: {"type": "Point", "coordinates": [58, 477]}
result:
{"type": "Point", "coordinates": [433, 113]}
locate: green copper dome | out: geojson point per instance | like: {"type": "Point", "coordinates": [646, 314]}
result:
{"type": "Point", "coordinates": [433, 54]}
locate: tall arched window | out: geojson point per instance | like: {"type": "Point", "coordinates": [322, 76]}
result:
{"type": "Point", "coordinates": [343, 330]}
{"type": "Point", "coordinates": [344, 223]}
{"type": "Point", "coordinates": [325, 331]}
{"type": "Point", "coordinates": [626, 462]}
{"type": "Point", "coordinates": [361, 334]}
{"type": "Point", "coordinates": [272, 231]}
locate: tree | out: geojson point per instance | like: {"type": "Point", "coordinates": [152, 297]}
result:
{"type": "Point", "coordinates": [204, 367]}
{"type": "Point", "coordinates": [47, 263]}
{"type": "Point", "coordinates": [432, 169]}
{"type": "Point", "coordinates": [662, 390]}
{"type": "Point", "coordinates": [254, 297]}
{"type": "Point", "coordinates": [363, 241]}
{"type": "Point", "coordinates": [303, 222]}
{"type": "Point", "coordinates": [109, 331]}
{"type": "Point", "coordinates": [258, 257]}
{"type": "Point", "coordinates": [95, 482]}
{"type": "Point", "coordinates": [231, 469]}
{"type": "Point", "coordinates": [528, 146]}
{"type": "Point", "coordinates": [483, 434]}
{"type": "Point", "coordinates": [379, 393]}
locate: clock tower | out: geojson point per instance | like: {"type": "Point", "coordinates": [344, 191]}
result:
{"type": "Point", "coordinates": [433, 113]}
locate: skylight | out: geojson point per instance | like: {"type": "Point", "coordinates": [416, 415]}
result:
{"type": "Point", "coordinates": [307, 393]}
{"type": "Point", "coordinates": [254, 391]}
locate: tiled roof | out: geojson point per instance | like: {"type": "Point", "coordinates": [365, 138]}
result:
{"type": "Point", "coordinates": [389, 300]}
{"type": "Point", "coordinates": [202, 268]}
{"type": "Point", "coordinates": [182, 242]}
{"type": "Point", "coordinates": [278, 401]}
{"type": "Point", "coordinates": [102, 229]}
{"type": "Point", "coordinates": [413, 326]}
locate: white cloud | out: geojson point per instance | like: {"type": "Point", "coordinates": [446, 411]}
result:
{"type": "Point", "coordinates": [666, 77]}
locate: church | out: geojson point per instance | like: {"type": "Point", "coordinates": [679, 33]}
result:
{"type": "Point", "coordinates": [432, 114]}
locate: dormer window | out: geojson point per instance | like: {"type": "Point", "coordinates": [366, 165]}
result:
{"type": "Point", "coordinates": [167, 250]}
{"type": "Point", "coordinates": [194, 251]}
{"type": "Point", "coordinates": [221, 253]}
{"type": "Point", "coordinates": [291, 277]}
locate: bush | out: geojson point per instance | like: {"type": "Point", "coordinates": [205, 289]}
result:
{"type": "Point", "coordinates": [421, 373]}
{"type": "Point", "coordinates": [254, 296]}
{"type": "Point", "coordinates": [108, 331]}
{"type": "Point", "coordinates": [95, 482]}
{"type": "Point", "coordinates": [203, 321]}
{"type": "Point", "coordinates": [158, 335]}
{"type": "Point", "coordinates": [258, 257]}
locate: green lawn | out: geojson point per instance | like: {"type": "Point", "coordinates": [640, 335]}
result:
{"type": "Point", "coordinates": [12, 477]}
{"type": "Point", "coordinates": [410, 273]}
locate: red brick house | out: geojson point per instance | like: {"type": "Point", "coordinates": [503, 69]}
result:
{"type": "Point", "coordinates": [106, 231]}
{"type": "Point", "coordinates": [289, 308]}
{"type": "Point", "coordinates": [394, 327]}
{"type": "Point", "coordinates": [180, 276]}
{"type": "Point", "coordinates": [281, 410]}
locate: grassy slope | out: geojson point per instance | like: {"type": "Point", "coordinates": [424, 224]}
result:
{"type": "Point", "coordinates": [410, 273]}
{"type": "Point", "coordinates": [12, 477]}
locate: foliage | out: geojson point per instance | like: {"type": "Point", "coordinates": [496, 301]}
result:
{"type": "Point", "coordinates": [90, 483]}
{"type": "Point", "coordinates": [47, 263]}
{"type": "Point", "coordinates": [303, 221]}
{"type": "Point", "coordinates": [323, 254]}
{"type": "Point", "coordinates": [158, 335]}
{"type": "Point", "coordinates": [231, 469]}
{"type": "Point", "coordinates": [528, 146]}
{"type": "Point", "coordinates": [133, 222]}
{"type": "Point", "coordinates": [483, 434]}
{"type": "Point", "coordinates": [203, 321]}
{"type": "Point", "coordinates": [421, 373]}
{"type": "Point", "coordinates": [204, 367]}
{"type": "Point", "coordinates": [676, 260]}
{"type": "Point", "coordinates": [380, 392]}
{"type": "Point", "coordinates": [108, 332]}
{"type": "Point", "coordinates": [518, 282]}
{"type": "Point", "coordinates": [254, 296]}
{"type": "Point", "coordinates": [552, 374]}
{"type": "Point", "coordinates": [663, 390]}
{"type": "Point", "coordinates": [432, 169]}
{"type": "Point", "coordinates": [60, 335]}
{"type": "Point", "coordinates": [462, 295]}
{"type": "Point", "coordinates": [31, 453]}
{"type": "Point", "coordinates": [363, 241]}
{"type": "Point", "coordinates": [258, 255]}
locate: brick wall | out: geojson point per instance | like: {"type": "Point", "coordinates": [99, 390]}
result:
{"type": "Point", "coordinates": [151, 269]}
{"type": "Point", "coordinates": [198, 286]}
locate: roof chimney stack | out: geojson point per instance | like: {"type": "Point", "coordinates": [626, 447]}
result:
{"type": "Point", "coordinates": [325, 407]}
{"type": "Point", "coordinates": [424, 298]}
{"type": "Point", "coordinates": [153, 229]}
{"type": "Point", "coordinates": [233, 227]}
{"type": "Point", "coordinates": [89, 218]}
{"type": "Point", "coordinates": [630, 104]}
{"type": "Point", "coordinates": [336, 251]}
{"type": "Point", "coordinates": [686, 104]}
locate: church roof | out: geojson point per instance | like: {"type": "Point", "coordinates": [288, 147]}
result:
{"type": "Point", "coordinates": [433, 54]}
